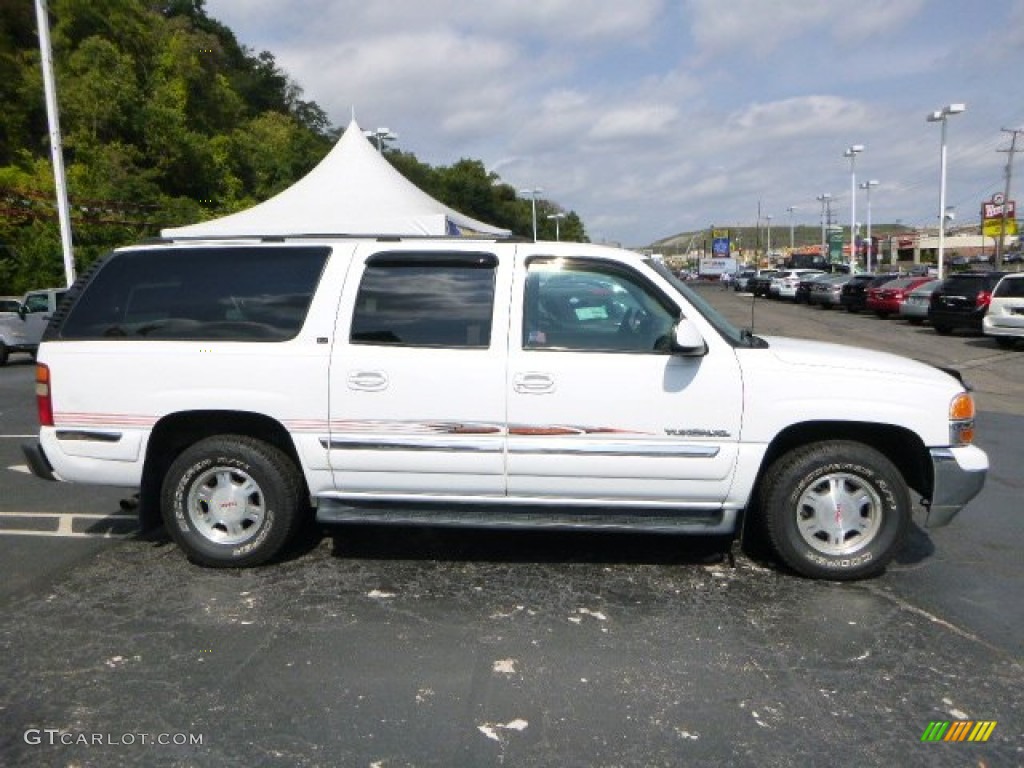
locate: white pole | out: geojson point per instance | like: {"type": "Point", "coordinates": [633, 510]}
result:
{"type": "Point", "coordinates": [853, 213]}
{"type": "Point", "coordinates": [942, 198]}
{"type": "Point", "coordinates": [53, 118]}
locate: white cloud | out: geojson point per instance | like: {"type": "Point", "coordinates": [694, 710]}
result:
{"type": "Point", "coordinates": [652, 117]}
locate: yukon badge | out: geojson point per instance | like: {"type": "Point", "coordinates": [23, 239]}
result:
{"type": "Point", "coordinates": [698, 432]}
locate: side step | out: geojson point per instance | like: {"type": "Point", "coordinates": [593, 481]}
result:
{"type": "Point", "coordinates": [710, 521]}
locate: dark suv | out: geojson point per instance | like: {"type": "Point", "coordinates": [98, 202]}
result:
{"type": "Point", "coordinates": [961, 301]}
{"type": "Point", "coordinates": [854, 297]}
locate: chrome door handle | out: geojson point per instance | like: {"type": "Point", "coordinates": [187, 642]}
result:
{"type": "Point", "coordinates": [367, 381]}
{"type": "Point", "coordinates": [533, 383]}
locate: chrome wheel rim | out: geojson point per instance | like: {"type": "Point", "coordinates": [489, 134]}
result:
{"type": "Point", "coordinates": [839, 514]}
{"type": "Point", "coordinates": [226, 505]}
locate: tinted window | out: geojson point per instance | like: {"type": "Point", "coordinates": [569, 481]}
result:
{"type": "Point", "coordinates": [229, 294]}
{"type": "Point", "coordinates": [426, 300]}
{"type": "Point", "coordinates": [964, 285]}
{"type": "Point", "coordinates": [40, 302]}
{"type": "Point", "coordinates": [1010, 287]}
{"type": "Point", "coordinates": [591, 307]}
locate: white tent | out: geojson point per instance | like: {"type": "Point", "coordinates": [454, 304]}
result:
{"type": "Point", "coordinates": [352, 191]}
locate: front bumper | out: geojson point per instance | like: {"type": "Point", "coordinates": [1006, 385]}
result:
{"type": "Point", "coordinates": [959, 474]}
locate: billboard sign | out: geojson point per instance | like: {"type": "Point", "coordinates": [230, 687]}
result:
{"type": "Point", "coordinates": [835, 245]}
{"type": "Point", "coordinates": [720, 243]}
{"type": "Point", "coordinates": [992, 216]}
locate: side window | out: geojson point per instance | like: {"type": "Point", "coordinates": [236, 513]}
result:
{"type": "Point", "coordinates": [426, 300]}
{"type": "Point", "coordinates": [203, 294]}
{"type": "Point", "coordinates": [37, 302]}
{"type": "Point", "coordinates": [589, 307]}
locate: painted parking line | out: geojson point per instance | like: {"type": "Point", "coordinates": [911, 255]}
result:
{"type": "Point", "coordinates": [74, 525]}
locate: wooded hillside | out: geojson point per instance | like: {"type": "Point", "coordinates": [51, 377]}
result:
{"type": "Point", "coordinates": [166, 120]}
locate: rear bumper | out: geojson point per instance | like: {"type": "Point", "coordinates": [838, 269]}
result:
{"type": "Point", "coordinates": [970, 319]}
{"type": "Point", "coordinates": [37, 461]}
{"type": "Point", "coordinates": [959, 475]}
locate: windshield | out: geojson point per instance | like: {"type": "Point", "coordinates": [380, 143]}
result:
{"type": "Point", "coordinates": [733, 334]}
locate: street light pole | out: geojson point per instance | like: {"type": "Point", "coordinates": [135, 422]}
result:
{"type": "Point", "coordinates": [939, 116]}
{"type": "Point", "coordinates": [851, 152]}
{"type": "Point", "coordinates": [533, 200]}
{"type": "Point", "coordinates": [867, 185]}
{"type": "Point", "coordinates": [381, 135]}
{"type": "Point", "coordinates": [557, 217]}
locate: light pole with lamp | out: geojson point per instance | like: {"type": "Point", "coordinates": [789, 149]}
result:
{"type": "Point", "coordinates": [851, 152]}
{"type": "Point", "coordinates": [381, 135]}
{"type": "Point", "coordinates": [533, 200]}
{"type": "Point", "coordinates": [791, 209]}
{"type": "Point", "coordinates": [824, 199]}
{"type": "Point", "coordinates": [866, 186]}
{"type": "Point", "coordinates": [939, 116]}
{"type": "Point", "coordinates": [557, 217]}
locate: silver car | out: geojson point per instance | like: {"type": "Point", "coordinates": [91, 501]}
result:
{"type": "Point", "coordinates": [915, 309]}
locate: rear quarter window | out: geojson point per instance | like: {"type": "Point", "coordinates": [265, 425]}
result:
{"type": "Point", "coordinates": [204, 294]}
{"type": "Point", "coordinates": [1010, 288]}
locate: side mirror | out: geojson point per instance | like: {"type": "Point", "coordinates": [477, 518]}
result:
{"type": "Point", "coordinates": [22, 311]}
{"type": "Point", "coordinates": [687, 341]}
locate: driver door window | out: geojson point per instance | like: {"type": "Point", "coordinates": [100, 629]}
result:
{"type": "Point", "coordinates": [591, 308]}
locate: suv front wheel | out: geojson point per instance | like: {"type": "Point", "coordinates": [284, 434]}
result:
{"type": "Point", "coordinates": [232, 501]}
{"type": "Point", "coordinates": [835, 510]}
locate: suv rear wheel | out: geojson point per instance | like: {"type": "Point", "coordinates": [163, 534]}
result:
{"type": "Point", "coordinates": [232, 501]}
{"type": "Point", "coordinates": [835, 510]}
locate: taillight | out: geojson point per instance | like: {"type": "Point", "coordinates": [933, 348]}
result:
{"type": "Point", "coordinates": [44, 404]}
{"type": "Point", "coordinates": [984, 299]}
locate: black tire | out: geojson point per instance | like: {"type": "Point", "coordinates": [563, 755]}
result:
{"type": "Point", "coordinates": [258, 493]}
{"type": "Point", "coordinates": [942, 330]}
{"type": "Point", "coordinates": [3, 354]}
{"type": "Point", "coordinates": [806, 525]}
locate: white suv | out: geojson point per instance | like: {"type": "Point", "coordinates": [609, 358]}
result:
{"type": "Point", "coordinates": [246, 386]}
{"type": "Point", "coordinates": [784, 284]}
{"type": "Point", "coordinates": [1004, 317]}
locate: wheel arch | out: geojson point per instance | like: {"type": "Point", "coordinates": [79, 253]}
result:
{"type": "Point", "coordinates": [173, 433]}
{"type": "Point", "coordinates": [898, 444]}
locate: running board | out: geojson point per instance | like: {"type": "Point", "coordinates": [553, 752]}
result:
{"type": "Point", "coordinates": [454, 515]}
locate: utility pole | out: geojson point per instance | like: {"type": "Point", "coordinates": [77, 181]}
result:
{"type": "Point", "coordinates": [1014, 133]}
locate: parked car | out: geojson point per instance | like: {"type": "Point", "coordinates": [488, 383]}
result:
{"type": "Point", "coordinates": [740, 283]}
{"type": "Point", "coordinates": [783, 285]}
{"type": "Point", "coordinates": [22, 330]}
{"type": "Point", "coordinates": [885, 300]}
{"type": "Point", "coordinates": [915, 309]}
{"type": "Point", "coordinates": [961, 301]}
{"type": "Point", "coordinates": [9, 305]}
{"type": "Point", "coordinates": [760, 285]}
{"type": "Point", "coordinates": [1004, 318]}
{"type": "Point", "coordinates": [854, 297]}
{"type": "Point", "coordinates": [806, 283]}
{"type": "Point", "coordinates": [827, 292]}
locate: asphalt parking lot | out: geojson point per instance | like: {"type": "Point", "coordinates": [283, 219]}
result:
{"type": "Point", "coordinates": [389, 648]}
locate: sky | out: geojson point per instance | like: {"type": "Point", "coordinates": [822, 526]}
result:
{"type": "Point", "coordinates": [653, 117]}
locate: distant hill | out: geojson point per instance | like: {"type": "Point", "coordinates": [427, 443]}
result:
{"type": "Point", "coordinates": [751, 238]}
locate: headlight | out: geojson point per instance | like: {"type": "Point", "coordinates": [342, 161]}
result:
{"type": "Point", "coordinates": [961, 419]}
